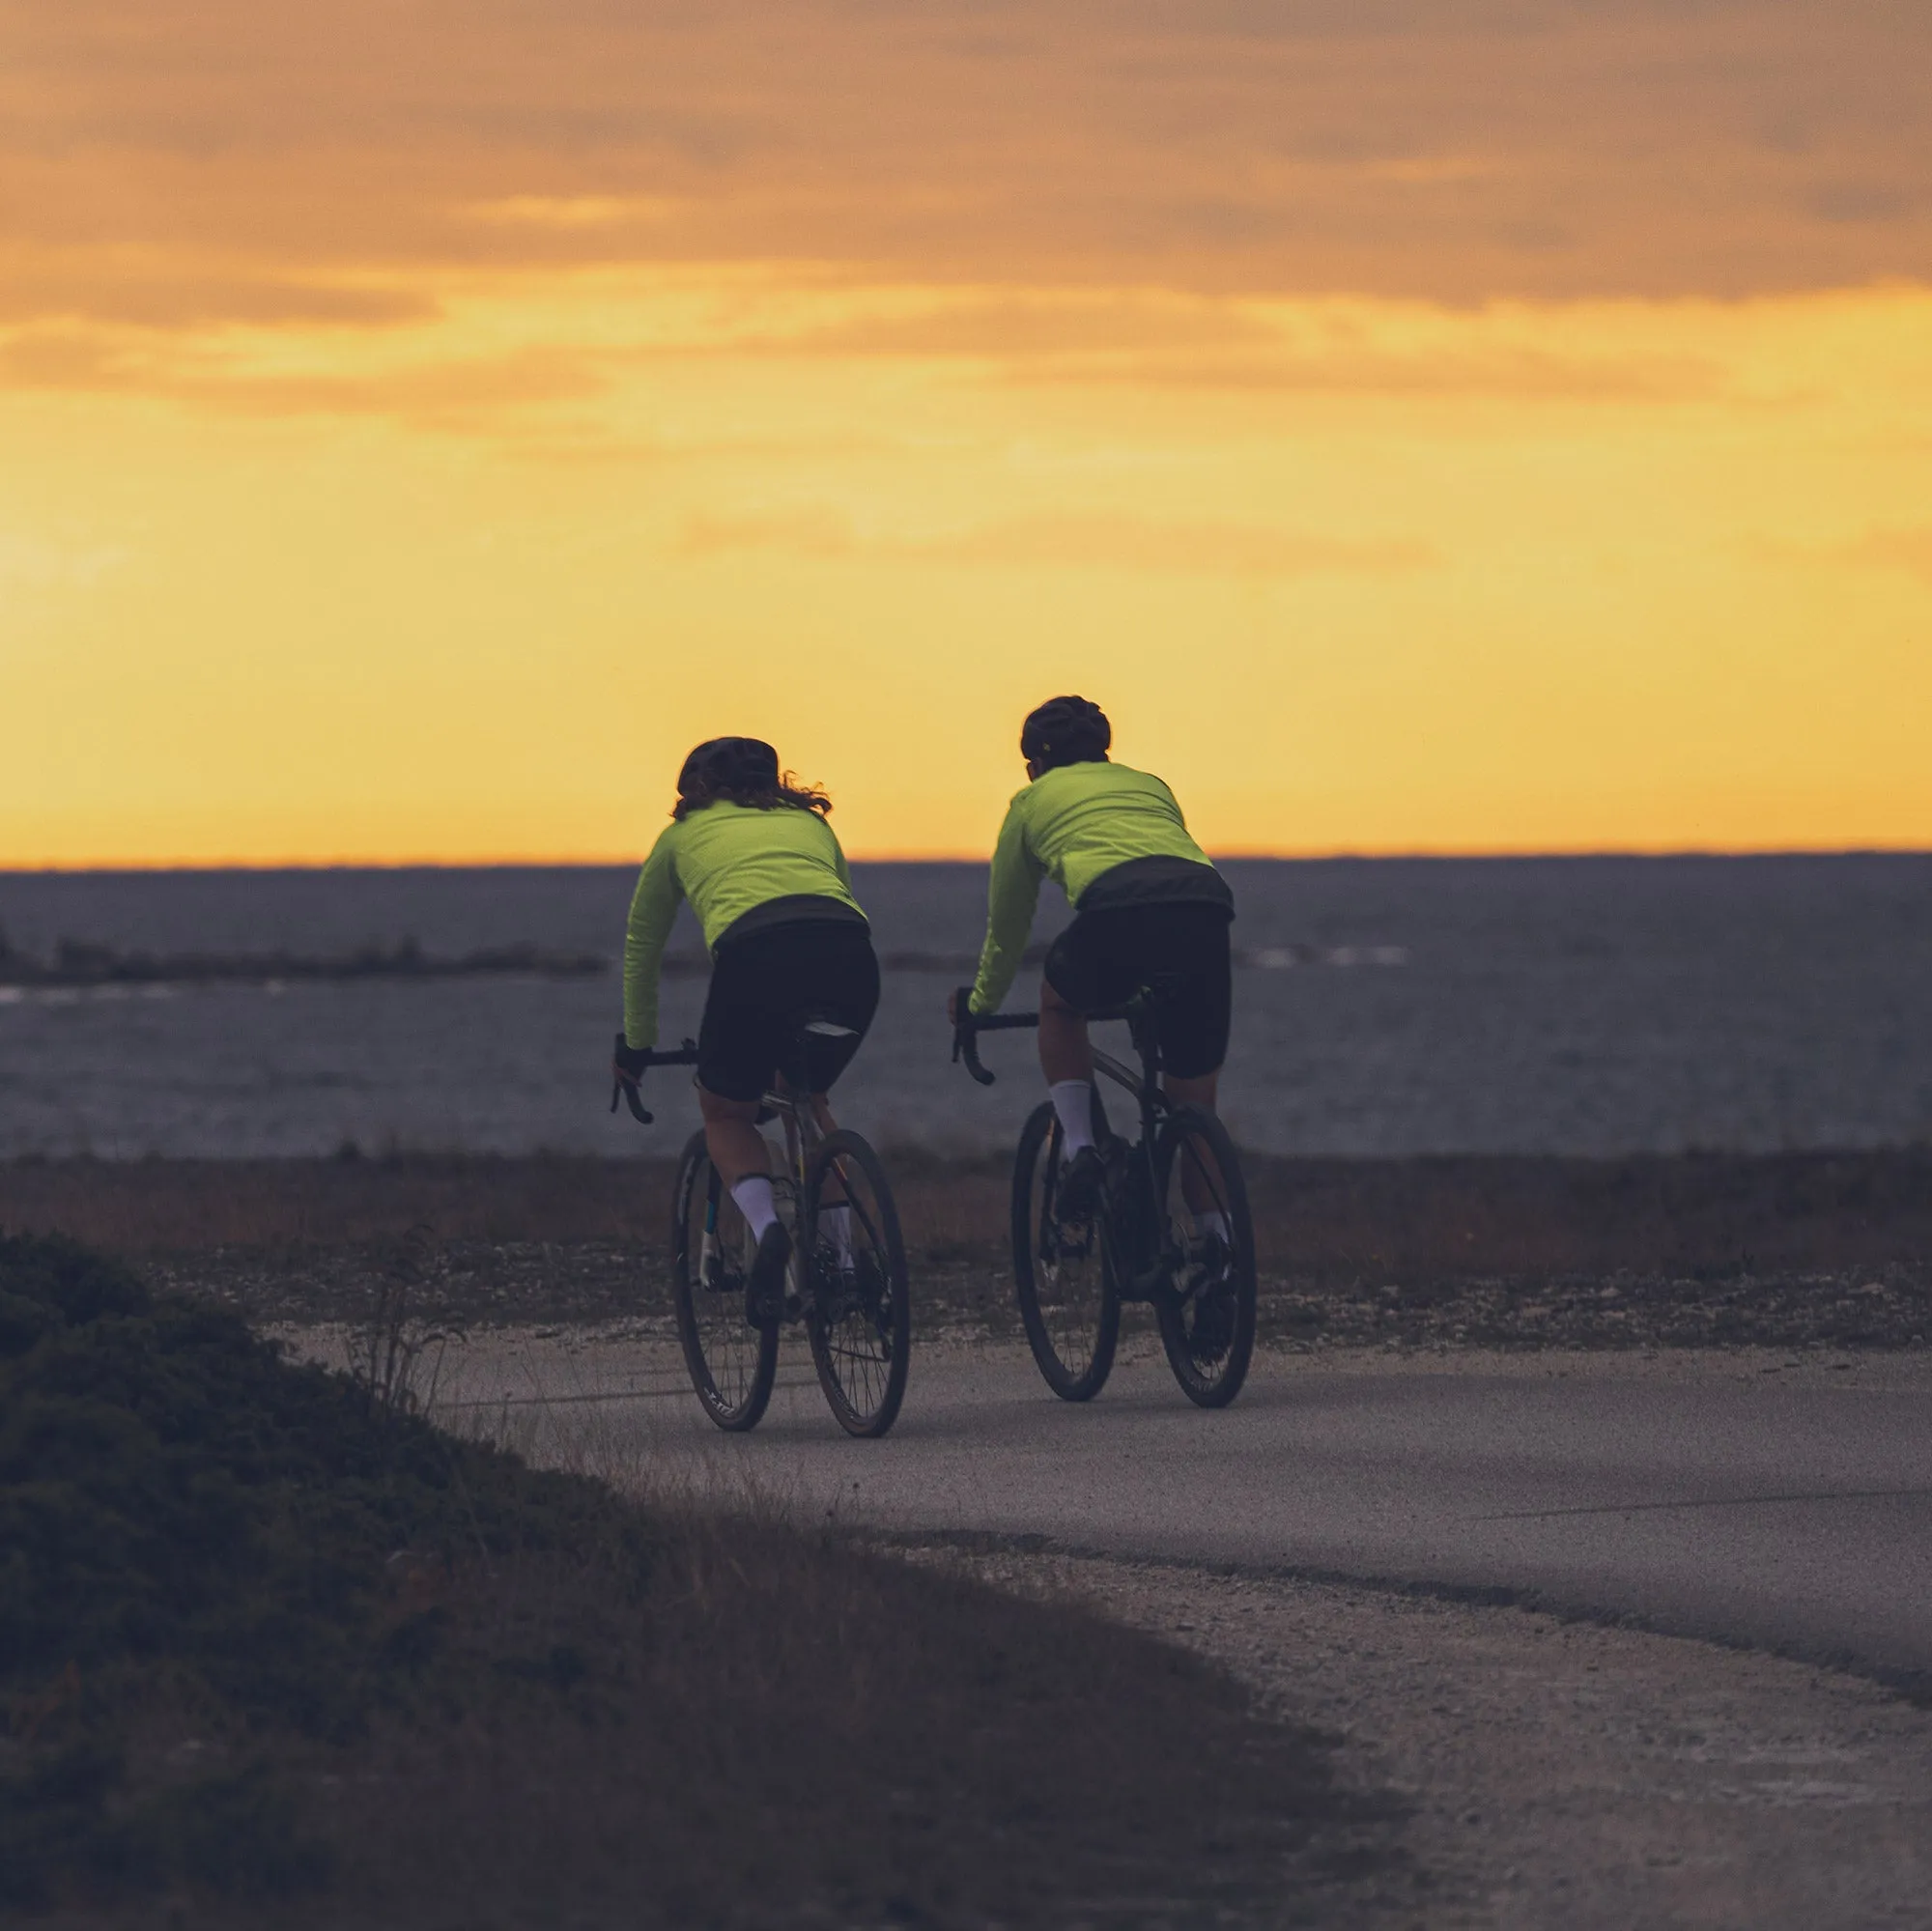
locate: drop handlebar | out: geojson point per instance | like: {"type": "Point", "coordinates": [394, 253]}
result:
{"type": "Point", "coordinates": [626, 1086]}
{"type": "Point", "coordinates": [968, 1025]}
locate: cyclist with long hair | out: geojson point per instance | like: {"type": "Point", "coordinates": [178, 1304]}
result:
{"type": "Point", "coordinates": [749, 849]}
{"type": "Point", "coordinates": [1150, 911]}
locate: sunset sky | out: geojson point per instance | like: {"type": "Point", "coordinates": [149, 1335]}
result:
{"type": "Point", "coordinates": [1424, 426]}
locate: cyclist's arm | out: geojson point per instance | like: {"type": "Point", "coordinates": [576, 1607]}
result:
{"type": "Point", "coordinates": [1011, 894]}
{"type": "Point", "coordinates": [653, 907]}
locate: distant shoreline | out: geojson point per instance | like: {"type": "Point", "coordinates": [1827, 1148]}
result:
{"type": "Point", "coordinates": [77, 964]}
{"type": "Point", "coordinates": [950, 861]}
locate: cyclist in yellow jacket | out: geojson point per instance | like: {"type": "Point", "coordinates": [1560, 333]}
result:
{"type": "Point", "coordinates": [1148, 908]}
{"type": "Point", "coordinates": [751, 850]}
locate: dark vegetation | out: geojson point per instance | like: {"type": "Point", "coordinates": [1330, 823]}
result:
{"type": "Point", "coordinates": [1782, 1250]}
{"type": "Point", "coordinates": [81, 962]}
{"type": "Point", "coordinates": [273, 1650]}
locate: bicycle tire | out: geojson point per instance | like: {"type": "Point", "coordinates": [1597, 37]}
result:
{"type": "Point", "coordinates": [1209, 1342]}
{"type": "Point", "coordinates": [856, 1318]}
{"type": "Point", "coordinates": [733, 1362]}
{"type": "Point", "coordinates": [1073, 1323]}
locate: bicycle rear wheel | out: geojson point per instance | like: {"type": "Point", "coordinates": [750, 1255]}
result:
{"type": "Point", "coordinates": [857, 1307]}
{"type": "Point", "coordinates": [731, 1360]}
{"type": "Point", "coordinates": [1061, 1274]}
{"type": "Point", "coordinates": [1207, 1307]}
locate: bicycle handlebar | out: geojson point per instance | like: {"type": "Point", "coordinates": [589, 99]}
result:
{"type": "Point", "coordinates": [628, 1089]}
{"type": "Point", "coordinates": [968, 1025]}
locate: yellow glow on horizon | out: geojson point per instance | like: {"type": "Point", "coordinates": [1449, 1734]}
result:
{"type": "Point", "coordinates": [1354, 575]}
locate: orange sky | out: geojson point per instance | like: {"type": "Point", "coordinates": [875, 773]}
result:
{"type": "Point", "coordinates": [418, 423]}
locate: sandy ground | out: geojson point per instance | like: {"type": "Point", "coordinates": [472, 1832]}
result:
{"type": "Point", "coordinates": [1563, 1774]}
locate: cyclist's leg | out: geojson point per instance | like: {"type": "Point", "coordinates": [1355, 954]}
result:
{"type": "Point", "coordinates": [1198, 1092]}
{"type": "Point", "coordinates": [1196, 1188]}
{"type": "Point", "coordinates": [1069, 989]}
{"type": "Point", "coordinates": [1193, 1017]}
{"type": "Point", "coordinates": [836, 983]}
{"type": "Point", "coordinates": [731, 1137]}
{"type": "Point", "coordinates": [739, 1042]}
{"type": "Point", "coordinates": [1066, 1053]}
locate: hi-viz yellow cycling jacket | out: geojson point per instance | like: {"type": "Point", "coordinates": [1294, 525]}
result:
{"type": "Point", "coordinates": [728, 860]}
{"type": "Point", "coordinates": [1074, 825]}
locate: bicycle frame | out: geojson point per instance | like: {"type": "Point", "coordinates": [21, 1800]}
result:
{"type": "Point", "coordinates": [802, 1133]}
{"type": "Point", "coordinates": [1133, 1216]}
{"type": "Point", "coordinates": [855, 1304]}
{"type": "Point", "coordinates": [1201, 1284]}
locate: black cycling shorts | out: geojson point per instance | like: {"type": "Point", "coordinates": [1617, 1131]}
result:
{"type": "Point", "coordinates": [766, 985]}
{"type": "Point", "coordinates": [1180, 951]}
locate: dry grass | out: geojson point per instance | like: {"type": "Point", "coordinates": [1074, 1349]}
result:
{"type": "Point", "coordinates": [285, 1654]}
{"type": "Point", "coordinates": [1319, 1219]}
{"type": "Point", "coordinates": [1790, 1249]}
{"type": "Point", "coordinates": [1685, 1216]}
{"type": "Point", "coordinates": [172, 1206]}
{"type": "Point", "coordinates": [791, 1731]}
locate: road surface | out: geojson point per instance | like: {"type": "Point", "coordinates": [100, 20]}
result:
{"type": "Point", "coordinates": [1736, 1497]}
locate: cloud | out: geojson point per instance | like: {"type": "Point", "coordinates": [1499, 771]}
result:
{"type": "Point", "coordinates": [177, 296]}
{"type": "Point", "coordinates": [451, 392]}
{"type": "Point", "coordinates": [573, 210]}
{"type": "Point", "coordinates": [1145, 338]}
{"type": "Point", "coordinates": [1070, 542]}
{"type": "Point", "coordinates": [1909, 549]}
{"type": "Point", "coordinates": [1399, 148]}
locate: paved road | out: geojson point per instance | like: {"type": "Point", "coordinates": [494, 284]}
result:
{"type": "Point", "coordinates": [1789, 1511]}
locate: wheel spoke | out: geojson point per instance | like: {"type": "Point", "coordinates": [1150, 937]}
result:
{"type": "Point", "coordinates": [859, 1304]}
{"type": "Point", "coordinates": [1060, 1272]}
{"type": "Point", "coordinates": [731, 1359]}
{"type": "Point", "coordinates": [1207, 1321]}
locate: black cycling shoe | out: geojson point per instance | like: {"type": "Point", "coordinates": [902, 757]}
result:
{"type": "Point", "coordinates": [1213, 1327]}
{"type": "Point", "coordinates": [1211, 1253]}
{"type": "Point", "coordinates": [765, 1287]}
{"type": "Point", "coordinates": [1213, 1324]}
{"type": "Point", "coordinates": [1082, 1182]}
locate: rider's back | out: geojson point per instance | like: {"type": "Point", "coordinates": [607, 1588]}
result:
{"type": "Point", "coordinates": [1081, 820]}
{"type": "Point", "coordinates": [741, 867]}
{"type": "Point", "coordinates": [1105, 833]}
{"type": "Point", "coordinates": [732, 858]}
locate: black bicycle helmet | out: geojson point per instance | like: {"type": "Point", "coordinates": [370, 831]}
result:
{"type": "Point", "coordinates": [1066, 731]}
{"type": "Point", "coordinates": [729, 764]}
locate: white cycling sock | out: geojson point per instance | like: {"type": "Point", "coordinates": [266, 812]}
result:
{"type": "Point", "coordinates": [1214, 1222]}
{"type": "Point", "coordinates": [753, 1195]}
{"type": "Point", "coordinates": [836, 1224]}
{"type": "Point", "coordinates": [1073, 1102]}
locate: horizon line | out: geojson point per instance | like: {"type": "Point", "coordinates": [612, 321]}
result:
{"type": "Point", "coordinates": [1327, 855]}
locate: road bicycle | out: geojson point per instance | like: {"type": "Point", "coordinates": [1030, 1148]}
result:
{"type": "Point", "coordinates": [846, 1282]}
{"type": "Point", "coordinates": [1139, 1241]}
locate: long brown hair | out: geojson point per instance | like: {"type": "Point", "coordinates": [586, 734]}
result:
{"type": "Point", "coordinates": [742, 771]}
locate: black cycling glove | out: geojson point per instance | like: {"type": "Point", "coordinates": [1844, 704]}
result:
{"type": "Point", "coordinates": [629, 1061]}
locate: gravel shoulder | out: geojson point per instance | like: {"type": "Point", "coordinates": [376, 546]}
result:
{"type": "Point", "coordinates": [1559, 1772]}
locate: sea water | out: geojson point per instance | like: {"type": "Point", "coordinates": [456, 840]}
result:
{"type": "Point", "coordinates": [1390, 1006]}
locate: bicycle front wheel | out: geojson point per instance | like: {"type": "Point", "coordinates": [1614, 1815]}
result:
{"type": "Point", "coordinates": [857, 1307]}
{"type": "Point", "coordinates": [1062, 1273]}
{"type": "Point", "coordinates": [1206, 1305]}
{"type": "Point", "coordinates": [731, 1359]}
